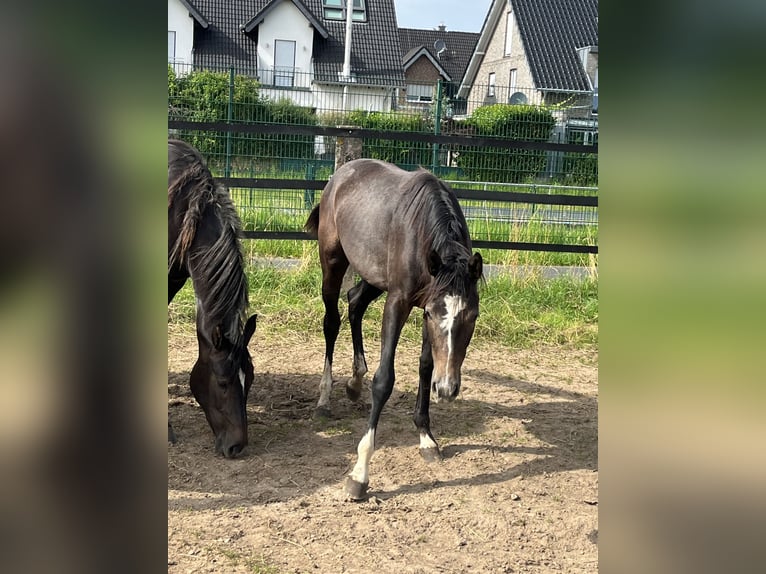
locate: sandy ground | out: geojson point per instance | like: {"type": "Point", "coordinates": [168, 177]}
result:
{"type": "Point", "coordinates": [517, 490]}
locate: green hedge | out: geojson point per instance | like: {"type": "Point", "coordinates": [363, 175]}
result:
{"type": "Point", "coordinates": [531, 123]}
{"type": "Point", "coordinates": [204, 96]}
{"type": "Point", "coordinates": [395, 151]}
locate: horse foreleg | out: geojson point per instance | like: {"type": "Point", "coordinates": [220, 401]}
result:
{"type": "Point", "coordinates": [429, 450]}
{"type": "Point", "coordinates": [394, 315]}
{"type": "Point", "coordinates": [359, 298]}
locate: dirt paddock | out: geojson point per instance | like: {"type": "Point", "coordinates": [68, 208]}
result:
{"type": "Point", "coordinates": [517, 490]}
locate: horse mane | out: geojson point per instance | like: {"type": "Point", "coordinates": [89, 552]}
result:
{"type": "Point", "coordinates": [432, 209]}
{"type": "Point", "coordinates": [217, 269]}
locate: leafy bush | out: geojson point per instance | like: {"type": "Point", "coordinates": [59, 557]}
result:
{"type": "Point", "coordinates": [530, 123]}
{"type": "Point", "coordinates": [204, 96]}
{"type": "Point", "coordinates": [394, 151]}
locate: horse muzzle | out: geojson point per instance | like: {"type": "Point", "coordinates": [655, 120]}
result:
{"type": "Point", "coordinates": [446, 389]}
{"type": "Point", "coordinates": [229, 446]}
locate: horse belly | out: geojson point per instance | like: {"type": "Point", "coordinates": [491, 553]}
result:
{"type": "Point", "coordinates": [365, 243]}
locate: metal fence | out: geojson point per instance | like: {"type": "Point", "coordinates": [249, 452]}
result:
{"type": "Point", "coordinates": [526, 174]}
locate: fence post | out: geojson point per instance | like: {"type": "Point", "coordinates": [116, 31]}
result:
{"type": "Point", "coordinates": [308, 194]}
{"type": "Point", "coordinates": [437, 125]}
{"type": "Point", "coordinates": [230, 115]}
{"type": "Point", "coordinates": [347, 148]}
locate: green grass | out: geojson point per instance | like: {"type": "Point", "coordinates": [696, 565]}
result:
{"type": "Point", "coordinates": [288, 209]}
{"type": "Point", "coordinates": [519, 312]}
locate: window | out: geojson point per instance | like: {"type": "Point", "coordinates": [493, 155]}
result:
{"type": "Point", "coordinates": [420, 93]}
{"type": "Point", "coordinates": [512, 81]}
{"type": "Point", "coordinates": [171, 46]}
{"type": "Point", "coordinates": [491, 85]}
{"type": "Point", "coordinates": [509, 33]}
{"type": "Point", "coordinates": [284, 62]}
{"type": "Point", "coordinates": [336, 10]}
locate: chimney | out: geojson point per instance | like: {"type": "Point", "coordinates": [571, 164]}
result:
{"type": "Point", "coordinates": [442, 27]}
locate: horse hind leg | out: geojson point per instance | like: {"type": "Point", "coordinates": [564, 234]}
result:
{"type": "Point", "coordinates": [333, 268]}
{"type": "Point", "coordinates": [359, 298]}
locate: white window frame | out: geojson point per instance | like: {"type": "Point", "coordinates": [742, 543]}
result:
{"type": "Point", "coordinates": [512, 80]}
{"type": "Point", "coordinates": [491, 85]}
{"type": "Point", "coordinates": [336, 10]}
{"type": "Point", "coordinates": [284, 76]}
{"type": "Point", "coordinates": [420, 93]}
{"type": "Point", "coordinates": [509, 25]}
{"type": "Point", "coordinates": [172, 34]}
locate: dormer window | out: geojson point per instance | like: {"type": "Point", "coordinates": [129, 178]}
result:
{"type": "Point", "coordinates": [336, 10]}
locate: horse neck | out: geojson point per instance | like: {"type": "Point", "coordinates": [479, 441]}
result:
{"type": "Point", "coordinates": [217, 272]}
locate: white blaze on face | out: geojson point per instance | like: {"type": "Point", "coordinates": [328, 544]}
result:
{"type": "Point", "coordinates": [242, 381]}
{"type": "Point", "coordinates": [453, 305]}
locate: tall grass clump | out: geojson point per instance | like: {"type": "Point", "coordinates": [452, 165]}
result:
{"type": "Point", "coordinates": [516, 310]}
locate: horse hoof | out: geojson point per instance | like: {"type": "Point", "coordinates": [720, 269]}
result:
{"type": "Point", "coordinates": [322, 413]}
{"type": "Point", "coordinates": [353, 393]}
{"type": "Point", "coordinates": [431, 454]}
{"type": "Point", "coordinates": [355, 490]}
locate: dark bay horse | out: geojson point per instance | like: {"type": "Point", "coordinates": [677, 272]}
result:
{"type": "Point", "coordinates": [403, 233]}
{"type": "Point", "coordinates": [203, 243]}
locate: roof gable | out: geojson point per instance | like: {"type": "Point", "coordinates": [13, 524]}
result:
{"type": "Point", "coordinates": [259, 17]}
{"type": "Point", "coordinates": [453, 61]}
{"type": "Point", "coordinates": [416, 53]}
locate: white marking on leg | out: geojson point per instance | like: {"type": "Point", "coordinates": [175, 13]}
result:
{"type": "Point", "coordinates": [325, 385]}
{"type": "Point", "coordinates": [426, 441]}
{"type": "Point", "coordinates": [364, 452]}
{"type": "Point", "coordinates": [242, 381]}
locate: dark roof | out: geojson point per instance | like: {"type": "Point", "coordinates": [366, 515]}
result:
{"type": "Point", "coordinates": [375, 54]}
{"type": "Point", "coordinates": [454, 60]}
{"type": "Point", "coordinates": [194, 12]}
{"type": "Point", "coordinates": [258, 18]}
{"type": "Point", "coordinates": [552, 31]}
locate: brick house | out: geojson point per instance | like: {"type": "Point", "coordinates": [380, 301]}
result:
{"type": "Point", "coordinates": [429, 56]}
{"type": "Point", "coordinates": [537, 52]}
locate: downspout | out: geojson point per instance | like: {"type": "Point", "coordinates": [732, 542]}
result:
{"type": "Point", "coordinates": [347, 51]}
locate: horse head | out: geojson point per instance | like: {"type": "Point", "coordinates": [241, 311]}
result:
{"type": "Point", "coordinates": [220, 381]}
{"type": "Point", "coordinates": [449, 319]}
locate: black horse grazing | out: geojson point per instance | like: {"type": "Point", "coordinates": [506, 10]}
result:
{"type": "Point", "coordinates": [404, 233]}
{"type": "Point", "coordinates": [203, 243]}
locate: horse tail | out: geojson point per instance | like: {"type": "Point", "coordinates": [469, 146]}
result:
{"type": "Point", "coordinates": [312, 224]}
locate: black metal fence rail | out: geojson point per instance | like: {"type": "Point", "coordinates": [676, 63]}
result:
{"type": "Point", "coordinates": [461, 193]}
{"type": "Point", "coordinates": [361, 133]}
{"type": "Point", "coordinates": [435, 139]}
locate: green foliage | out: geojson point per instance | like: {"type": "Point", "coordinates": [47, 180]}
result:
{"type": "Point", "coordinates": [530, 123]}
{"type": "Point", "coordinates": [394, 151]}
{"type": "Point", "coordinates": [204, 96]}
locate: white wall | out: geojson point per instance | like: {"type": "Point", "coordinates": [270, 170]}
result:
{"type": "Point", "coordinates": [182, 24]}
{"type": "Point", "coordinates": [286, 22]}
{"type": "Point", "coordinates": [330, 98]}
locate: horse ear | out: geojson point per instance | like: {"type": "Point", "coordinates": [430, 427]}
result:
{"type": "Point", "coordinates": [434, 263]}
{"type": "Point", "coordinates": [250, 328]}
{"type": "Point", "coordinates": [217, 337]}
{"type": "Point", "coordinates": [475, 266]}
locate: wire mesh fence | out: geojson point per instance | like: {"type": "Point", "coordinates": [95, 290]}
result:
{"type": "Point", "coordinates": [491, 115]}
